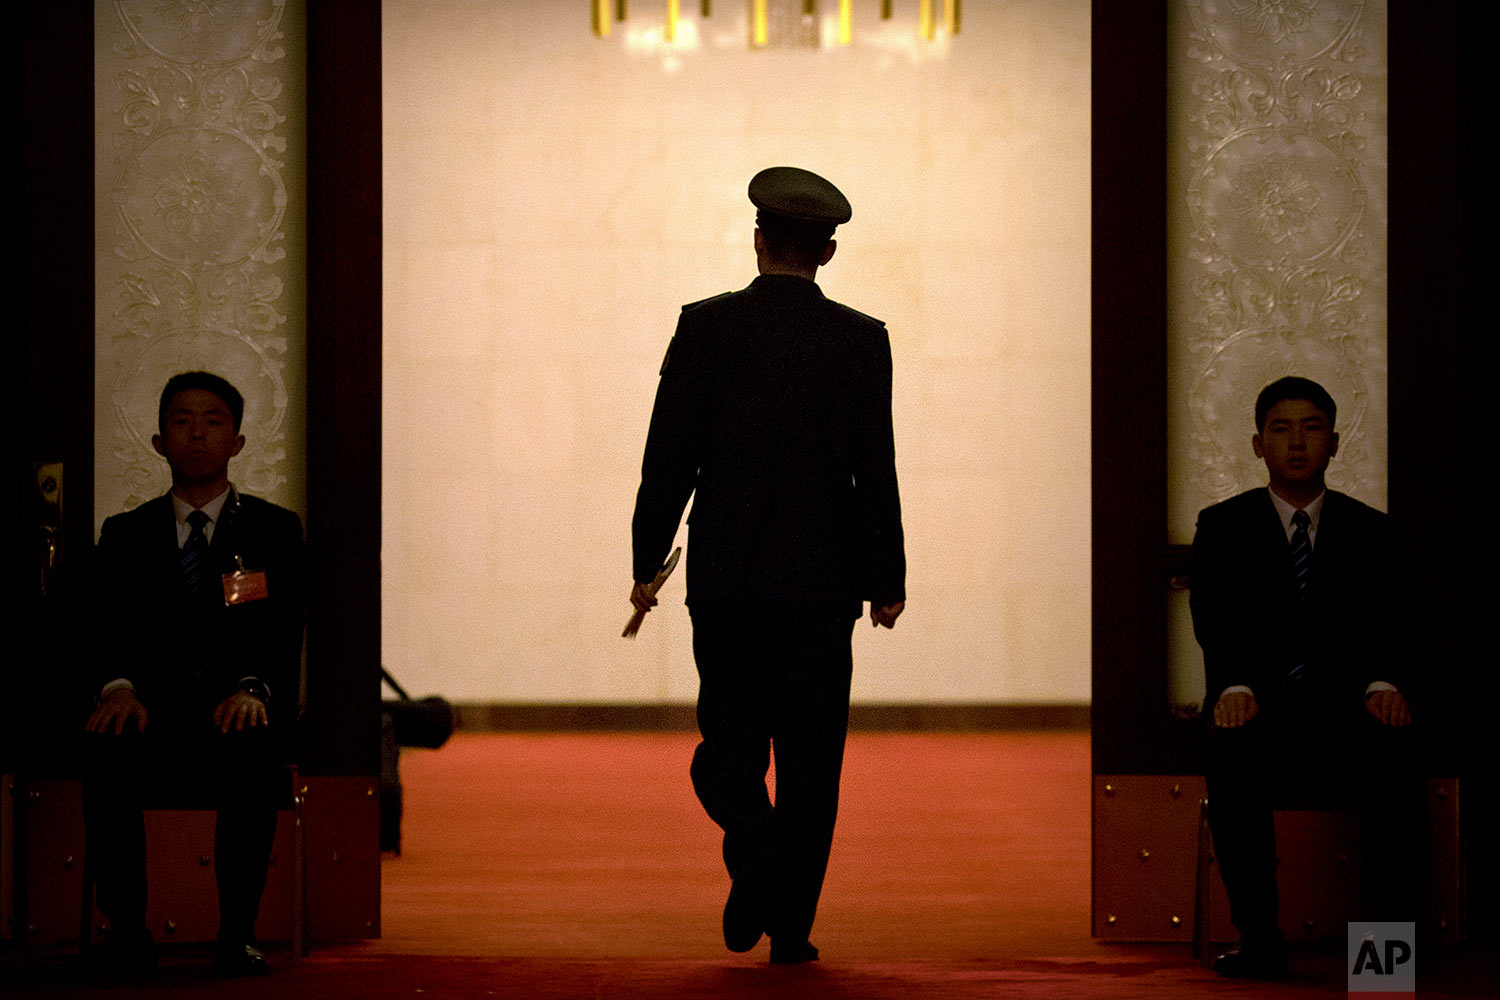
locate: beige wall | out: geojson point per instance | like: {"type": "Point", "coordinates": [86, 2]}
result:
{"type": "Point", "coordinates": [551, 199]}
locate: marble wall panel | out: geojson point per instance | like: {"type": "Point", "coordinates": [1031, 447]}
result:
{"type": "Point", "coordinates": [1277, 234]}
{"type": "Point", "coordinates": [199, 232]}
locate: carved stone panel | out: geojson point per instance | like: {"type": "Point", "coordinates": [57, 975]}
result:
{"type": "Point", "coordinates": [199, 208]}
{"type": "Point", "coordinates": [1277, 234]}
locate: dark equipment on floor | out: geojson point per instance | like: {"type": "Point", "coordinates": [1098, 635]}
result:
{"type": "Point", "coordinates": [405, 722]}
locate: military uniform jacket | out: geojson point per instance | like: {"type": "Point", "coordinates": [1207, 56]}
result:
{"type": "Point", "coordinates": [774, 413]}
{"type": "Point", "coordinates": [173, 646]}
{"type": "Point", "coordinates": [1252, 624]}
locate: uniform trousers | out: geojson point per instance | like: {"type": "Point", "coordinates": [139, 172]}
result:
{"type": "Point", "coordinates": [773, 678]}
{"type": "Point", "coordinates": [236, 771]}
{"type": "Point", "coordinates": [1314, 751]}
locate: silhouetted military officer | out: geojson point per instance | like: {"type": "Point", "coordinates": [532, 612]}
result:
{"type": "Point", "coordinates": [774, 412]}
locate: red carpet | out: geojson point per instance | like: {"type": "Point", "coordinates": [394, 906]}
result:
{"type": "Point", "coordinates": [572, 865]}
{"type": "Point", "coordinates": [595, 846]}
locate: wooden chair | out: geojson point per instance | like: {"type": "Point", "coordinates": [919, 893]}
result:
{"type": "Point", "coordinates": [1339, 882]}
{"type": "Point", "coordinates": [161, 796]}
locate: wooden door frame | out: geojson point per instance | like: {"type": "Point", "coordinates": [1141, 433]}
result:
{"type": "Point", "coordinates": [344, 284]}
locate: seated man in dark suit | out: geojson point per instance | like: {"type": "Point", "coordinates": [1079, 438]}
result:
{"type": "Point", "coordinates": [199, 600]}
{"type": "Point", "coordinates": [1295, 604]}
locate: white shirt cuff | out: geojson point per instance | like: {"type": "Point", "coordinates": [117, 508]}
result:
{"type": "Point", "coordinates": [255, 680]}
{"type": "Point", "coordinates": [1378, 686]}
{"type": "Point", "coordinates": [118, 684]}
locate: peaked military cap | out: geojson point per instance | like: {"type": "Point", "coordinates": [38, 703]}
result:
{"type": "Point", "coordinates": [799, 194]}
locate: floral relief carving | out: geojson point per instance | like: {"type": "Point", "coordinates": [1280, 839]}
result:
{"type": "Point", "coordinates": [204, 33]}
{"type": "Point", "coordinates": [1274, 198]}
{"type": "Point", "coordinates": [1276, 19]}
{"type": "Point", "coordinates": [192, 274]}
{"type": "Point", "coordinates": [196, 18]}
{"type": "Point", "coordinates": [192, 199]}
{"type": "Point", "coordinates": [1279, 263]}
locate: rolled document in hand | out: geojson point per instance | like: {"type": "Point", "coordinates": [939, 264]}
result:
{"type": "Point", "coordinates": [634, 625]}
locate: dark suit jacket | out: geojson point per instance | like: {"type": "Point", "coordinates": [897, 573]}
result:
{"type": "Point", "coordinates": [173, 647]}
{"type": "Point", "coordinates": [774, 408]}
{"type": "Point", "coordinates": [1250, 622]}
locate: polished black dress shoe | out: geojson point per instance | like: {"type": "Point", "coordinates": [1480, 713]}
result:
{"type": "Point", "coordinates": [240, 961]}
{"type": "Point", "coordinates": [124, 954]}
{"type": "Point", "coordinates": [793, 954]}
{"type": "Point", "coordinates": [1253, 961]}
{"type": "Point", "coordinates": [745, 910]}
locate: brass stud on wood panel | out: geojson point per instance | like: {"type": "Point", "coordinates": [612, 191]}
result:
{"type": "Point", "coordinates": [1176, 921]}
{"type": "Point", "coordinates": [32, 928]}
{"type": "Point", "coordinates": [1176, 791]}
{"type": "Point", "coordinates": [1110, 919]}
{"type": "Point", "coordinates": [1145, 854]}
{"type": "Point", "coordinates": [204, 860]}
{"type": "Point", "coordinates": [370, 791]}
{"type": "Point", "coordinates": [1309, 924]}
{"type": "Point", "coordinates": [68, 863]}
{"type": "Point", "coordinates": [171, 927]}
{"type": "Point", "coordinates": [1109, 790]}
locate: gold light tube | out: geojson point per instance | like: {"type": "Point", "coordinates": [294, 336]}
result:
{"type": "Point", "coordinates": [926, 27]}
{"type": "Point", "coordinates": [760, 28]}
{"type": "Point", "coordinates": [674, 13]}
{"type": "Point", "coordinates": [705, 9]}
{"type": "Point", "coordinates": [953, 16]}
{"type": "Point", "coordinates": [600, 17]}
{"type": "Point", "coordinates": [619, 10]}
{"type": "Point", "coordinates": [846, 21]}
{"type": "Point", "coordinates": [885, 10]}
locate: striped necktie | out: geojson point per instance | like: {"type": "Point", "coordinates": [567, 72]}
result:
{"type": "Point", "coordinates": [195, 554]}
{"type": "Point", "coordinates": [1301, 570]}
{"type": "Point", "coordinates": [1301, 551]}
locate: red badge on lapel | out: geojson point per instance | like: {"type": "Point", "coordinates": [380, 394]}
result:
{"type": "Point", "coordinates": [244, 586]}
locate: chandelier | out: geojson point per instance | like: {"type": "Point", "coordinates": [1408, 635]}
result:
{"type": "Point", "coordinates": [785, 23]}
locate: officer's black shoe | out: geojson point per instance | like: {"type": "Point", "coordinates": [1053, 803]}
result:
{"type": "Point", "coordinates": [793, 954]}
{"type": "Point", "coordinates": [124, 953]}
{"type": "Point", "coordinates": [240, 961]}
{"type": "Point", "coordinates": [745, 910]}
{"type": "Point", "coordinates": [1254, 959]}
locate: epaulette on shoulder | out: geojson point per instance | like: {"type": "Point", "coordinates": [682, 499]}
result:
{"type": "Point", "coordinates": [712, 298]}
{"type": "Point", "coordinates": [855, 314]}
